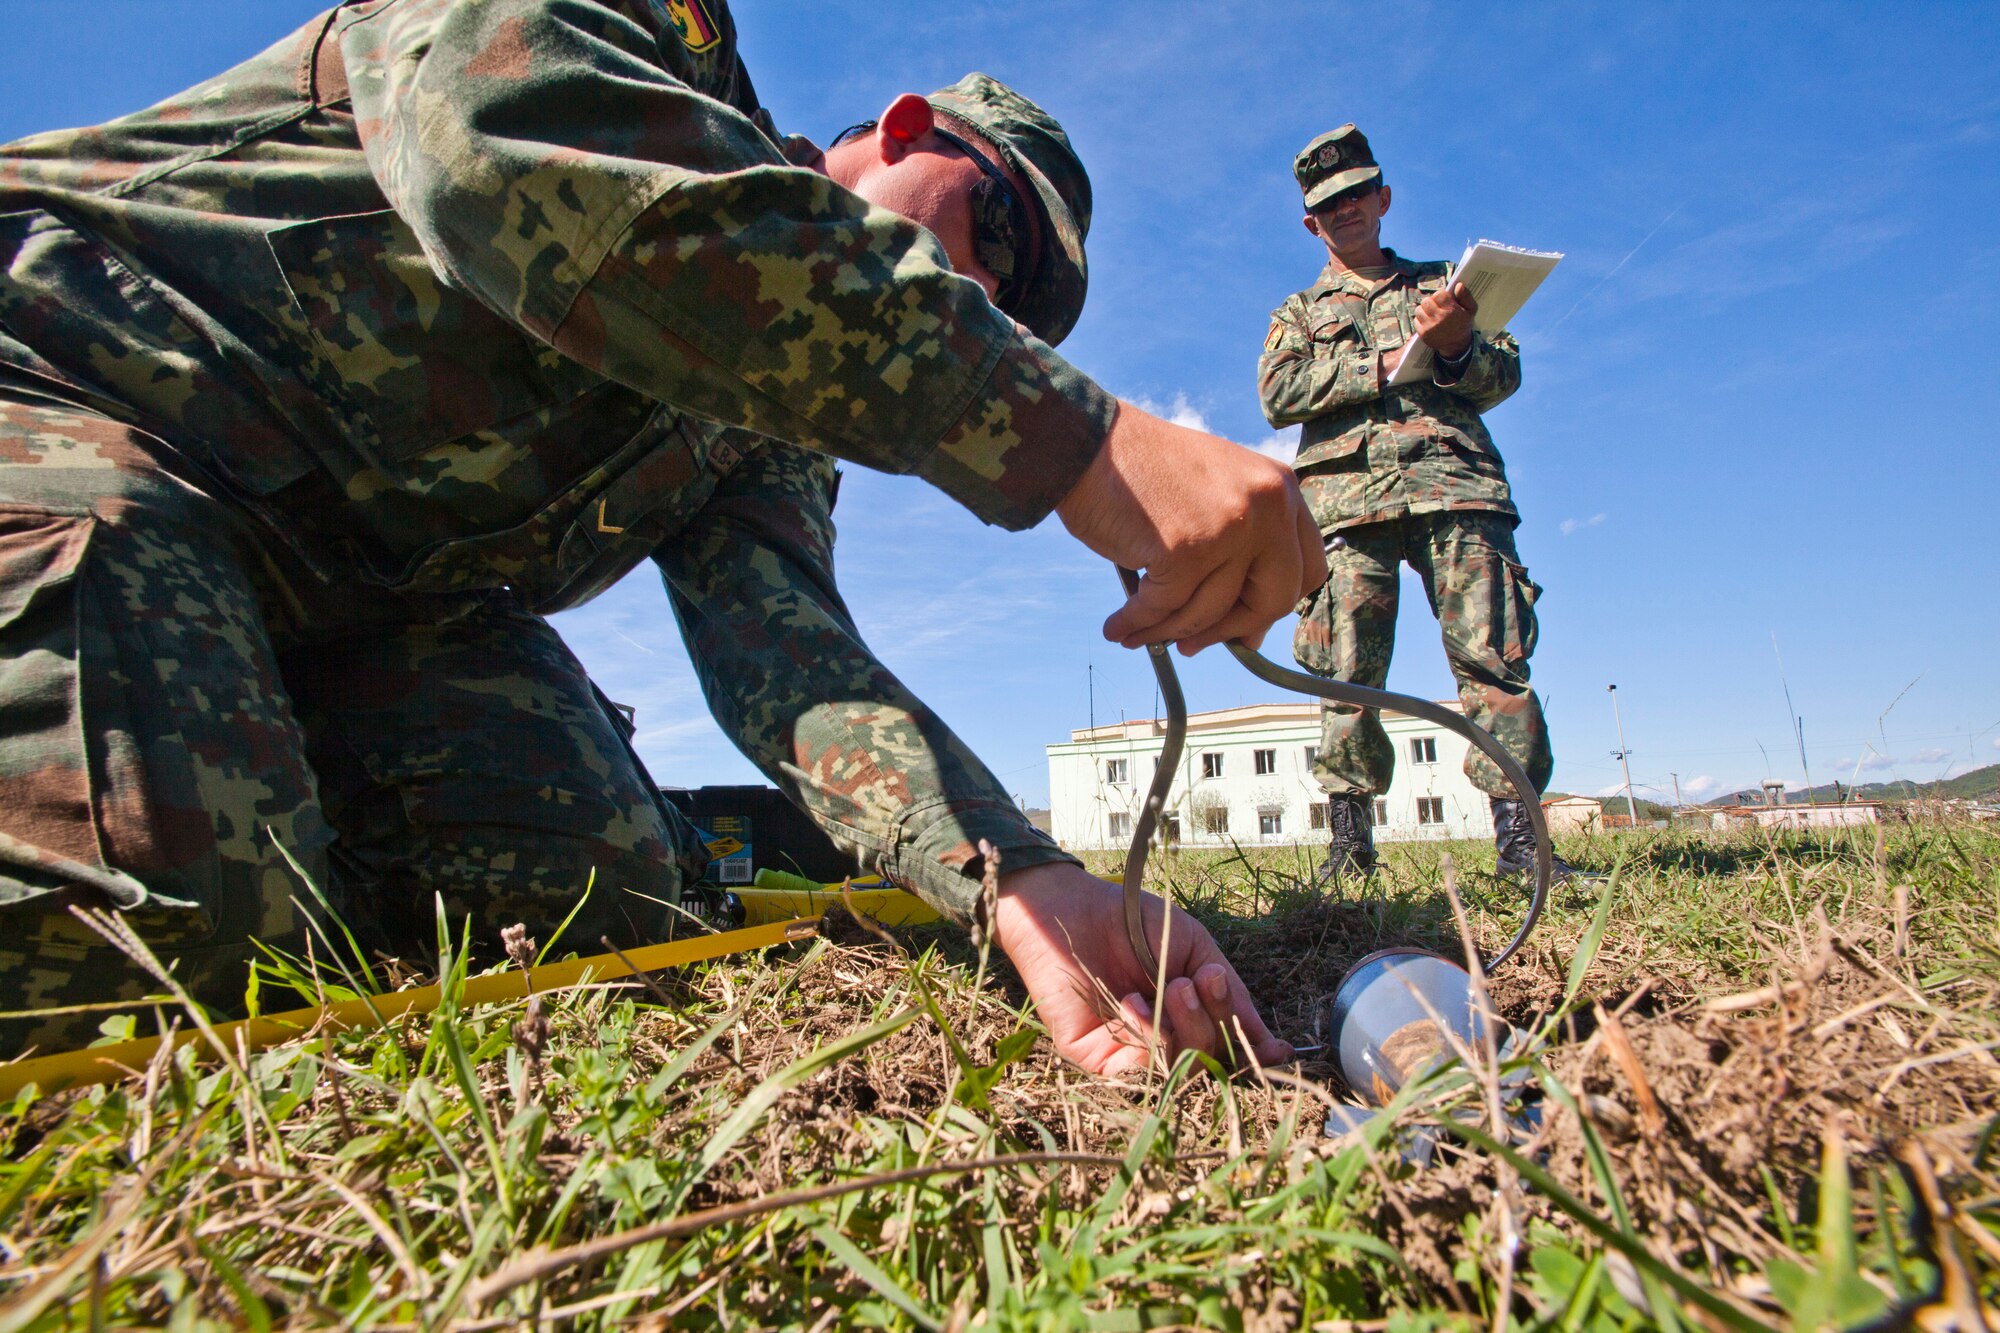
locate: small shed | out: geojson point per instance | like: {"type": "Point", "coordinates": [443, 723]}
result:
{"type": "Point", "coordinates": [1574, 814]}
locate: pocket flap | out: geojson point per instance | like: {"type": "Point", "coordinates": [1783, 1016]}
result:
{"type": "Point", "coordinates": [40, 549]}
{"type": "Point", "coordinates": [1340, 450]}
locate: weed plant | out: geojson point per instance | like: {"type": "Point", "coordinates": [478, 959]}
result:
{"type": "Point", "coordinates": [1764, 1069]}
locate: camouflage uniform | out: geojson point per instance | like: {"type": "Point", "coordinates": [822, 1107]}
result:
{"type": "Point", "coordinates": [1404, 475]}
{"type": "Point", "coordinates": [321, 383]}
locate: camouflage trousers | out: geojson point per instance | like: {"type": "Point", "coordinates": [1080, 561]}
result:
{"type": "Point", "coordinates": [174, 705]}
{"type": "Point", "coordinates": [1485, 605]}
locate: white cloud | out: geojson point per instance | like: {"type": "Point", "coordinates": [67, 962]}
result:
{"type": "Point", "coordinates": [1700, 787]}
{"type": "Point", "coordinates": [1283, 446]}
{"type": "Point", "coordinates": [1935, 754]}
{"type": "Point", "coordinates": [1996, 742]}
{"type": "Point", "coordinates": [1868, 763]}
{"type": "Point", "coordinates": [1570, 525]}
{"type": "Point", "coordinates": [1180, 411]}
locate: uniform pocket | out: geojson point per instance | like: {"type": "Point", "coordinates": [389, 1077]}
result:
{"type": "Point", "coordinates": [1346, 452]}
{"type": "Point", "coordinates": [59, 797]}
{"type": "Point", "coordinates": [407, 360]}
{"type": "Point", "coordinates": [97, 326]}
{"type": "Point", "coordinates": [1498, 594]}
{"type": "Point", "coordinates": [1523, 593]}
{"type": "Point", "coordinates": [1335, 323]}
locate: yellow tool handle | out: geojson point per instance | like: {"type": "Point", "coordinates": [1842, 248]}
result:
{"type": "Point", "coordinates": [108, 1064]}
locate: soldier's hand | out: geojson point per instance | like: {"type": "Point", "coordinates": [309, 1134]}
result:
{"type": "Point", "coordinates": [1444, 320]}
{"type": "Point", "coordinates": [1224, 540]}
{"type": "Point", "coordinates": [1064, 931]}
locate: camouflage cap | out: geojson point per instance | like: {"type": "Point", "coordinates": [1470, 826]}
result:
{"type": "Point", "coordinates": [1337, 160]}
{"type": "Point", "coordinates": [1035, 146]}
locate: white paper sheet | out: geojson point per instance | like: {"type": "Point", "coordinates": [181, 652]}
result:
{"type": "Point", "coordinates": [1501, 278]}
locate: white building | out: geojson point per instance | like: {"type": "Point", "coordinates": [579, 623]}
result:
{"type": "Point", "coordinates": [1246, 779]}
{"type": "Point", "coordinates": [1852, 814]}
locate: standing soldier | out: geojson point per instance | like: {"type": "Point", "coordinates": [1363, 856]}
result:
{"type": "Point", "coordinates": [1395, 475]}
{"type": "Point", "coordinates": [322, 383]}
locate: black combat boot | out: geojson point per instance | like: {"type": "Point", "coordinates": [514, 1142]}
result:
{"type": "Point", "coordinates": [1350, 849]}
{"type": "Point", "coordinates": [1514, 839]}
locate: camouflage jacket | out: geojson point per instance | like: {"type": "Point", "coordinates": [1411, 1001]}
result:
{"type": "Point", "coordinates": [1367, 455]}
{"type": "Point", "coordinates": [457, 295]}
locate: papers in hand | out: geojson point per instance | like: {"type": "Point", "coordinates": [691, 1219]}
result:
{"type": "Point", "coordinates": [1501, 278]}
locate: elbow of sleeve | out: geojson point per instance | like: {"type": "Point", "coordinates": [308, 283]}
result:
{"type": "Point", "coordinates": [1025, 439]}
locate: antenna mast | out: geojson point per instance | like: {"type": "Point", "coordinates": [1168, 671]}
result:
{"type": "Point", "coordinates": [1621, 755]}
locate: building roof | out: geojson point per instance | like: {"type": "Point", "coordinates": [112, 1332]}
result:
{"type": "Point", "coordinates": [1216, 719]}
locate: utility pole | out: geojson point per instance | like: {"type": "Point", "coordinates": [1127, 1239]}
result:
{"type": "Point", "coordinates": [1621, 754]}
{"type": "Point", "coordinates": [1677, 789]}
{"type": "Point", "coordinates": [1799, 726]}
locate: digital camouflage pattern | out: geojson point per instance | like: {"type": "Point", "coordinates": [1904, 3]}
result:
{"type": "Point", "coordinates": [1406, 474]}
{"type": "Point", "coordinates": [1366, 454]}
{"type": "Point", "coordinates": [345, 366]}
{"type": "Point", "coordinates": [752, 586]}
{"type": "Point", "coordinates": [1485, 605]}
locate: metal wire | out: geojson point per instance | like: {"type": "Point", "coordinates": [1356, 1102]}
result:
{"type": "Point", "coordinates": [1336, 691]}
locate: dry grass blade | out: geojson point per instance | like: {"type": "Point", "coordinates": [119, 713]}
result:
{"type": "Point", "coordinates": [1651, 1118]}
{"type": "Point", "coordinates": [539, 1267]}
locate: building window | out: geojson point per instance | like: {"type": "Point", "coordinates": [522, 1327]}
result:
{"type": "Point", "coordinates": [1266, 761]}
{"type": "Point", "coordinates": [1172, 825]}
{"type": "Point", "coordinates": [1215, 819]}
{"type": "Point", "coordinates": [1271, 825]}
{"type": "Point", "coordinates": [1121, 826]}
{"type": "Point", "coordinates": [1423, 749]}
{"type": "Point", "coordinates": [1115, 770]}
{"type": "Point", "coordinates": [1430, 809]}
{"type": "Point", "coordinates": [1316, 816]}
{"type": "Point", "coordinates": [1211, 765]}
{"type": "Point", "coordinates": [1381, 813]}
{"type": "Point", "coordinates": [1312, 757]}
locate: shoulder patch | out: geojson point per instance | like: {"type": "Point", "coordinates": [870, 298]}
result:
{"type": "Point", "coordinates": [690, 21]}
{"type": "Point", "coordinates": [1275, 336]}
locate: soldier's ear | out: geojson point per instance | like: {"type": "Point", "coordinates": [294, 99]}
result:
{"type": "Point", "coordinates": [1384, 192]}
{"type": "Point", "coordinates": [905, 125]}
{"type": "Point", "coordinates": [1312, 225]}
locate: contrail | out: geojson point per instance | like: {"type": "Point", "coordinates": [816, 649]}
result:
{"type": "Point", "coordinates": [1614, 268]}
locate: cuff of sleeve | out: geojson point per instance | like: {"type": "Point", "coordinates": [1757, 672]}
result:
{"type": "Point", "coordinates": [1450, 370]}
{"type": "Point", "coordinates": [1024, 440]}
{"type": "Point", "coordinates": [1368, 373]}
{"type": "Point", "coordinates": [939, 860]}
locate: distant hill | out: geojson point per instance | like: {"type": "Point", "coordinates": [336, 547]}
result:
{"type": "Point", "coordinates": [1980, 782]}
{"type": "Point", "coordinates": [1615, 805]}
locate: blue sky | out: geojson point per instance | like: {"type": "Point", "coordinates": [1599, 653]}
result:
{"type": "Point", "coordinates": [1759, 396]}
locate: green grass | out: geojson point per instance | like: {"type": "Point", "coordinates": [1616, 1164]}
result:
{"type": "Point", "coordinates": [839, 1135]}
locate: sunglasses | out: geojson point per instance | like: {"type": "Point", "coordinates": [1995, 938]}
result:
{"type": "Point", "coordinates": [1002, 228]}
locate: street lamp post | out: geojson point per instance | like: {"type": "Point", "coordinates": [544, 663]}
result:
{"type": "Point", "coordinates": [1621, 755]}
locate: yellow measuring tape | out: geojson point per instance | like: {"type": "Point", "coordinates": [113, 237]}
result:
{"type": "Point", "coordinates": [108, 1064]}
